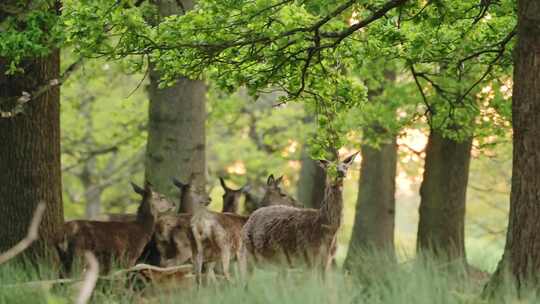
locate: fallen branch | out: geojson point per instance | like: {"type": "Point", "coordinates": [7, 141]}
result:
{"type": "Point", "coordinates": [30, 237]}
{"type": "Point", "coordinates": [90, 279]}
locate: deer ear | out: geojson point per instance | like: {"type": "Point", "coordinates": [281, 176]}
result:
{"type": "Point", "coordinates": [349, 160]}
{"type": "Point", "coordinates": [137, 188]}
{"type": "Point", "coordinates": [223, 185]}
{"type": "Point", "coordinates": [178, 183]}
{"type": "Point", "coordinates": [323, 163]}
{"type": "Point", "coordinates": [279, 180]}
{"type": "Point", "coordinates": [270, 180]}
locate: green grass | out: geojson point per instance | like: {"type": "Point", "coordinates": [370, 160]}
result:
{"type": "Point", "coordinates": [374, 279]}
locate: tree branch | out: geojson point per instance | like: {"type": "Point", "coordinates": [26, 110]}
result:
{"type": "Point", "coordinates": [90, 278]}
{"type": "Point", "coordinates": [25, 97]}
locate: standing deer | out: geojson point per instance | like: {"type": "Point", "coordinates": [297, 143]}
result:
{"type": "Point", "coordinates": [173, 231]}
{"type": "Point", "coordinates": [274, 195]}
{"type": "Point", "coordinates": [121, 241]}
{"type": "Point", "coordinates": [286, 234]}
{"type": "Point", "coordinates": [203, 236]}
{"type": "Point", "coordinates": [215, 236]}
{"type": "Point", "coordinates": [231, 197]}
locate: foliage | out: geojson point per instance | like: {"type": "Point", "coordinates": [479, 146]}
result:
{"type": "Point", "coordinates": [103, 118]}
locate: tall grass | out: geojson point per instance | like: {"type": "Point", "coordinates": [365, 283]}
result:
{"type": "Point", "coordinates": [374, 279]}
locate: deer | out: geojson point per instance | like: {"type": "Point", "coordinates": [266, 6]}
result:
{"type": "Point", "coordinates": [203, 236]}
{"type": "Point", "coordinates": [214, 237]}
{"type": "Point", "coordinates": [231, 197]}
{"type": "Point", "coordinates": [121, 241]}
{"type": "Point", "coordinates": [173, 231]}
{"type": "Point", "coordinates": [274, 195]}
{"type": "Point", "coordinates": [286, 234]}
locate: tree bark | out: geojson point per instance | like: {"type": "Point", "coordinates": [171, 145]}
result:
{"type": "Point", "coordinates": [30, 153]}
{"type": "Point", "coordinates": [311, 182]}
{"type": "Point", "coordinates": [443, 195]}
{"type": "Point", "coordinates": [375, 207]}
{"type": "Point", "coordinates": [176, 128]}
{"type": "Point", "coordinates": [521, 258]}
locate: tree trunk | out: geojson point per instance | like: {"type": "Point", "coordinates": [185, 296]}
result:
{"type": "Point", "coordinates": [176, 128]}
{"type": "Point", "coordinates": [521, 258]}
{"type": "Point", "coordinates": [92, 193]}
{"type": "Point", "coordinates": [375, 208]}
{"type": "Point", "coordinates": [443, 194]}
{"type": "Point", "coordinates": [30, 153]}
{"type": "Point", "coordinates": [311, 182]}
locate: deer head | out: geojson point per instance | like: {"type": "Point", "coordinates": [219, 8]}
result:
{"type": "Point", "coordinates": [148, 209]}
{"type": "Point", "coordinates": [340, 167]}
{"type": "Point", "coordinates": [160, 202]}
{"type": "Point", "coordinates": [274, 195]}
{"type": "Point", "coordinates": [189, 196]}
{"type": "Point", "coordinates": [231, 196]}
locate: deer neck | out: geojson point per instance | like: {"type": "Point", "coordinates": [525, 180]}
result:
{"type": "Point", "coordinates": [332, 204]}
{"type": "Point", "coordinates": [145, 216]}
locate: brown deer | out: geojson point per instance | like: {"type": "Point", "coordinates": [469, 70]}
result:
{"type": "Point", "coordinates": [231, 197]}
{"type": "Point", "coordinates": [274, 195]}
{"type": "Point", "coordinates": [119, 241]}
{"type": "Point", "coordinates": [287, 234]}
{"type": "Point", "coordinates": [215, 236]}
{"type": "Point", "coordinates": [173, 231]}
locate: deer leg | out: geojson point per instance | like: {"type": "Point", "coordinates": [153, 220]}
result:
{"type": "Point", "coordinates": [211, 272]}
{"type": "Point", "coordinates": [225, 261]}
{"type": "Point", "coordinates": [241, 256]}
{"type": "Point", "coordinates": [198, 257]}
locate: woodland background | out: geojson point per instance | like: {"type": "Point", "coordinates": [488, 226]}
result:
{"type": "Point", "coordinates": [442, 98]}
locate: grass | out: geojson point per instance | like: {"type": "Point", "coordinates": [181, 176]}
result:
{"type": "Point", "coordinates": [374, 279]}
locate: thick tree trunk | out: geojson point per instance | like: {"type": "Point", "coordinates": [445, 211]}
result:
{"type": "Point", "coordinates": [521, 259]}
{"type": "Point", "coordinates": [375, 208]}
{"type": "Point", "coordinates": [443, 195]}
{"type": "Point", "coordinates": [176, 129]}
{"type": "Point", "coordinates": [30, 153]}
{"type": "Point", "coordinates": [311, 182]}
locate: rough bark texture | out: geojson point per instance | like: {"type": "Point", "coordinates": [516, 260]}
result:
{"type": "Point", "coordinates": [375, 207]}
{"type": "Point", "coordinates": [176, 128]}
{"type": "Point", "coordinates": [521, 257]}
{"type": "Point", "coordinates": [30, 153]}
{"type": "Point", "coordinates": [443, 195]}
{"type": "Point", "coordinates": [311, 183]}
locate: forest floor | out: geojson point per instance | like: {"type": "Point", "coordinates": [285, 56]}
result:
{"type": "Point", "coordinates": [374, 280]}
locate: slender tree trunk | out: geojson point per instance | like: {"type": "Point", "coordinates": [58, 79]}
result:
{"type": "Point", "coordinates": [521, 258]}
{"type": "Point", "coordinates": [92, 194]}
{"type": "Point", "coordinates": [375, 207]}
{"type": "Point", "coordinates": [311, 182]}
{"type": "Point", "coordinates": [443, 195]}
{"type": "Point", "coordinates": [30, 153]}
{"type": "Point", "coordinates": [176, 131]}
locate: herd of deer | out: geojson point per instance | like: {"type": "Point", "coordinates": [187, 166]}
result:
{"type": "Point", "coordinates": [280, 231]}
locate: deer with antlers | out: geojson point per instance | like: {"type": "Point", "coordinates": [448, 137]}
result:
{"type": "Point", "coordinates": [121, 241]}
{"type": "Point", "coordinates": [286, 234]}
